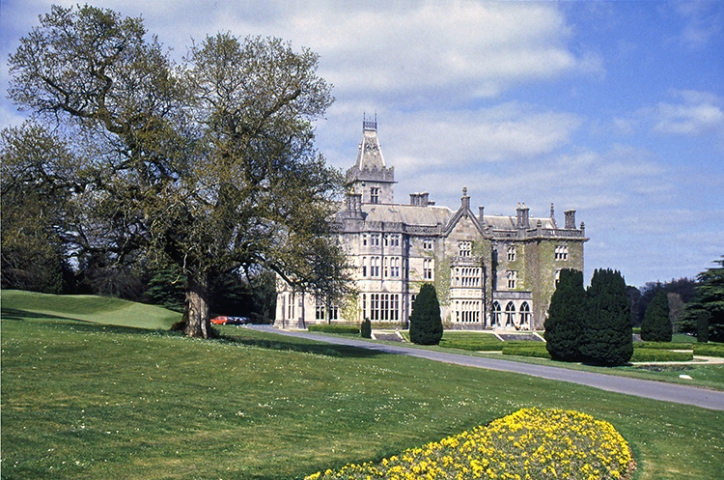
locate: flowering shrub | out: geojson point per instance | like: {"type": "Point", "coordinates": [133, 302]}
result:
{"type": "Point", "coordinates": [528, 444]}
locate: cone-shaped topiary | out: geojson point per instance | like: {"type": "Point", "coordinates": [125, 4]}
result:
{"type": "Point", "coordinates": [607, 334]}
{"type": "Point", "coordinates": [656, 326]}
{"type": "Point", "coordinates": [425, 321]}
{"type": "Point", "coordinates": [565, 314]}
{"type": "Point", "coordinates": [366, 329]}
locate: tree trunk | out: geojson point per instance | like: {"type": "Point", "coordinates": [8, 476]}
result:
{"type": "Point", "coordinates": [197, 305]}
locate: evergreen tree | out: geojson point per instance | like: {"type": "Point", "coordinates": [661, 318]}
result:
{"type": "Point", "coordinates": [708, 302]}
{"type": "Point", "coordinates": [425, 321]}
{"type": "Point", "coordinates": [656, 326]}
{"type": "Point", "coordinates": [565, 314]}
{"type": "Point", "coordinates": [366, 329]}
{"type": "Point", "coordinates": [607, 334]}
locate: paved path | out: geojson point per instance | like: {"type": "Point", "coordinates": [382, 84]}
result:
{"type": "Point", "coordinates": [668, 392]}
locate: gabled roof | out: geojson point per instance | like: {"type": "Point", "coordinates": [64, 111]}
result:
{"type": "Point", "coordinates": [463, 212]}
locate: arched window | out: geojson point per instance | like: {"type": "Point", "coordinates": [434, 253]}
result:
{"type": "Point", "coordinates": [496, 315]}
{"type": "Point", "coordinates": [525, 315]}
{"type": "Point", "coordinates": [510, 314]}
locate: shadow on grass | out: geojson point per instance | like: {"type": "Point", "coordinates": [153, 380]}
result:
{"type": "Point", "coordinates": [302, 346]}
{"type": "Point", "coordinates": [306, 346]}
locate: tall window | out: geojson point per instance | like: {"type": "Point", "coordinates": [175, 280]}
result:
{"type": "Point", "coordinates": [374, 195]}
{"type": "Point", "coordinates": [512, 279]}
{"type": "Point", "coordinates": [465, 248]}
{"type": "Point", "coordinates": [427, 269]}
{"type": "Point", "coordinates": [364, 239]}
{"type": "Point", "coordinates": [562, 252]}
{"type": "Point", "coordinates": [375, 267]}
{"type": "Point", "coordinates": [510, 314]}
{"type": "Point", "coordinates": [319, 309]}
{"type": "Point", "coordinates": [496, 315]}
{"type": "Point", "coordinates": [467, 311]}
{"type": "Point", "coordinates": [384, 306]}
{"type": "Point", "coordinates": [467, 277]}
{"type": "Point", "coordinates": [364, 306]}
{"type": "Point", "coordinates": [511, 253]}
{"type": "Point", "coordinates": [364, 266]}
{"type": "Point", "coordinates": [525, 315]}
{"type": "Point", "coordinates": [395, 267]}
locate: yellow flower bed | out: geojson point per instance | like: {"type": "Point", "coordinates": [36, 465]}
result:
{"type": "Point", "coordinates": [528, 444]}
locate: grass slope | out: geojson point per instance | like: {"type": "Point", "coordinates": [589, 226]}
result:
{"type": "Point", "coordinates": [88, 308]}
{"type": "Point", "coordinates": [81, 400]}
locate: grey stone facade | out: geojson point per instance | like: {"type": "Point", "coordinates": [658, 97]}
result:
{"type": "Point", "coordinates": [490, 272]}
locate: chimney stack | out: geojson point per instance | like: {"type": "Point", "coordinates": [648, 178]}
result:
{"type": "Point", "coordinates": [571, 219]}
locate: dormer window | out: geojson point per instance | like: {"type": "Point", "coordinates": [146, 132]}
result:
{"type": "Point", "coordinates": [374, 195]}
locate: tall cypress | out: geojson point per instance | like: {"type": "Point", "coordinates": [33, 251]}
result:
{"type": "Point", "coordinates": [563, 326]}
{"type": "Point", "coordinates": [425, 321]}
{"type": "Point", "coordinates": [607, 333]}
{"type": "Point", "coordinates": [656, 326]}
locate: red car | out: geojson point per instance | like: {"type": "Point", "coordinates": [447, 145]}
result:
{"type": "Point", "coordinates": [224, 320]}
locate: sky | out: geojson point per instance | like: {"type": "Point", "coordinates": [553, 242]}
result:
{"type": "Point", "coordinates": [612, 108]}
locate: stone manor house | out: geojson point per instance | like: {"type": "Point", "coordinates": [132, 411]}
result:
{"type": "Point", "coordinates": [490, 272]}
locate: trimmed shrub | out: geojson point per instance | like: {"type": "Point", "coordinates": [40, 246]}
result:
{"type": "Point", "coordinates": [425, 321]}
{"type": "Point", "coordinates": [530, 350]}
{"type": "Point", "coordinates": [565, 314]}
{"type": "Point", "coordinates": [607, 336]}
{"type": "Point", "coordinates": [653, 355]}
{"type": "Point", "coordinates": [709, 350]}
{"type": "Point", "coordinates": [656, 326]}
{"type": "Point", "coordinates": [366, 329]}
{"type": "Point", "coordinates": [662, 346]}
{"type": "Point", "coordinates": [472, 342]}
{"type": "Point", "coordinates": [346, 329]}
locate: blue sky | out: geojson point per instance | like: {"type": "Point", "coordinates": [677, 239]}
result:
{"type": "Point", "coordinates": [614, 109]}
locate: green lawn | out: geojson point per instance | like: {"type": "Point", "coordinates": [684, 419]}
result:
{"type": "Point", "coordinates": [84, 400]}
{"type": "Point", "coordinates": [88, 308]}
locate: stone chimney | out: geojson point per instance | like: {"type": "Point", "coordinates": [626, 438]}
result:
{"type": "Point", "coordinates": [481, 215]}
{"type": "Point", "coordinates": [523, 216]}
{"type": "Point", "coordinates": [571, 219]}
{"type": "Point", "coordinates": [420, 199]}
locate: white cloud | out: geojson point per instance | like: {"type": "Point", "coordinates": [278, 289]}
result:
{"type": "Point", "coordinates": [693, 113]}
{"type": "Point", "coordinates": [703, 21]}
{"type": "Point", "coordinates": [688, 118]}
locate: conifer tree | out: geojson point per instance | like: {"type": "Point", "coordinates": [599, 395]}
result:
{"type": "Point", "coordinates": [366, 329]}
{"type": "Point", "coordinates": [565, 314]}
{"type": "Point", "coordinates": [607, 334]}
{"type": "Point", "coordinates": [656, 326]}
{"type": "Point", "coordinates": [425, 321]}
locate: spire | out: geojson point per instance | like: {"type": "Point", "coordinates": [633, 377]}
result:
{"type": "Point", "coordinates": [370, 156]}
{"type": "Point", "coordinates": [370, 176]}
{"type": "Point", "coordinates": [465, 200]}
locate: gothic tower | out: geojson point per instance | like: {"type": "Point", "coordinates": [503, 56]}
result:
{"type": "Point", "coordinates": [369, 177]}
